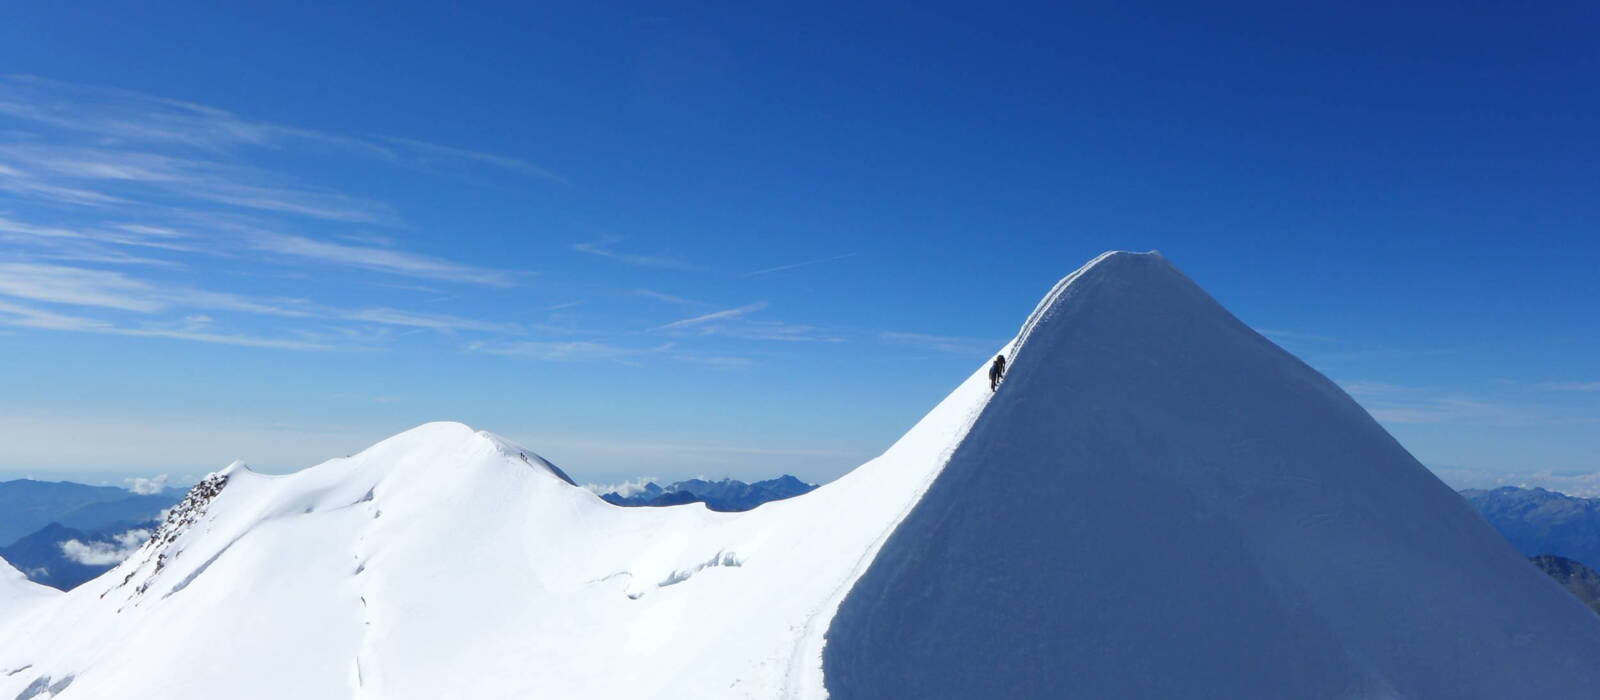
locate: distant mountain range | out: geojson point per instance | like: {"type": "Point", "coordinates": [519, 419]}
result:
{"type": "Point", "coordinates": [27, 505]}
{"type": "Point", "coordinates": [61, 533]}
{"type": "Point", "coordinates": [728, 495]}
{"type": "Point", "coordinates": [62, 557]}
{"type": "Point", "coordinates": [1537, 521]}
{"type": "Point", "coordinates": [1560, 534]}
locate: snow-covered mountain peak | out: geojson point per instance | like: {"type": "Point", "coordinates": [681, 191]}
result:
{"type": "Point", "coordinates": [1117, 268]}
{"type": "Point", "coordinates": [420, 476]}
{"type": "Point", "coordinates": [1203, 515]}
{"type": "Point", "coordinates": [434, 450]}
{"type": "Point", "coordinates": [233, 467]}
{"type": "Point", "coordinates": [1157, 502]}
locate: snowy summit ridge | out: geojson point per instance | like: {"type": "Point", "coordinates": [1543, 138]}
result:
{"type": "Point", "coordinates": [1162, 438]}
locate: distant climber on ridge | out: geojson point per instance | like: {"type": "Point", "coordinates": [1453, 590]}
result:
{"type": "Point", "coordinates": [996, 371]}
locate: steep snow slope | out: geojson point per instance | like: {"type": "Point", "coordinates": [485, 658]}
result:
{"type": "Point", "coordinates": [1205, 516]}
{"type": "Point", "coordinates": [445, 562]}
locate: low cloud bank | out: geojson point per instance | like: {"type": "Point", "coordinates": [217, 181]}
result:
{"type": "Point", "coordinates": [147, 486]}
{"type": "Point", "coordinates": [111, 553]}
{"type": "Point", "coordinates": [624, 489]}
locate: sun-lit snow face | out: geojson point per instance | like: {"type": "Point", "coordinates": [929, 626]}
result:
{"type": "Point", "coordinates": [16, 590]}
{"type": "Point", "coordinates": [1198, 510]}
{"type": "Point", "coordinates": [445, 533]}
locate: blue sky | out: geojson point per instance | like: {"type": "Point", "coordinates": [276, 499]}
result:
{"type": "Point", "coordinates": [703, 239]}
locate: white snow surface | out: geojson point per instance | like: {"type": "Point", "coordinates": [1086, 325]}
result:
{"type": "Point", "coordinates": [17, 591]}
{"type": "Point", "coordinates": [1202, 516]}
{"type": "Point", "coordinates": [1191, 512]}
{"type": "Point", "coordinates": [449, 563]}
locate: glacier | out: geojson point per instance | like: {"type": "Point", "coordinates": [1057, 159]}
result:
{"type": "Point", "coordinates": [1203, 516]}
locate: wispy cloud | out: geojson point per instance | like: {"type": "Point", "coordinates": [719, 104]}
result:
{"type": "Point", "coordinates": [791, 266]}
{"type": "Point", "coordinates": [1278, 334]}
{"type": "Point", "coordinates": [1451, 410]}
{"type": "Point", "coordinates": [1322, 357]}
{"type": "Point", "coordinates": [591, 351]}
{"type": "Point", "coordinates": [77, 286]}
{"type": "Point", "coordinates": [24, 316]}
{"type": "Point", "coordinates": [49, 170]}
{"type": "Point", "coordinates": [661, 296]}
{"type": "Point", "coordinates": [723, 315]}
{"type": "Point", "coordinates": [431, 152]}
{"type": "Point", "coordinates": [380, 259]}
{"type": "Point", "coordinates": [606, 248]}
{"type": "Point", "coordinates": [19, 183]}
{"type": "Point", "coordinates": [107, 244]}
{"type": "Point", "coordinates": [698, 357]}
{"type": "Point", "coordinates": [141, 216]}
{"type": "Point", "coordinates": [943, 344]}
{"type": "Point", "coordinates": [103, 289]}
{"type": "Point", "coordinates": [103, 243]}
{"type": "Point", "coordinates": [438, 322]}
{"type": "Point", "coordinates": [1568, 386]}
{"type": "Point", "coordinates": [128, 117]}
{"type": "Point", "coordinates": [318, 205]}
{"type": "Point", "coordinates": [779, 331]}
{"type": "Point", "coordinates": [47, 243]}
{"type": "Point", "coordinates": [239, 339]}
{"type": "Point", "coordinates": [1362, 388]}
{"type": "Point", "coordinates": [142, 158]}
{"type": "Point", "coordinates": [120, 234]}
{"type": "Point", "coordinates": [94, 243]}
{"type": "Point", "coordinates": [561, 351]}
{"type": "Point", "coordinates": [735, 323]}
{"type": "Point", "coordinates": [1414, 405]}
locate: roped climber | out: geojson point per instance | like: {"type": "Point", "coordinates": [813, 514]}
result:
{"type": "Point", "coordinates": [997, 371]}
